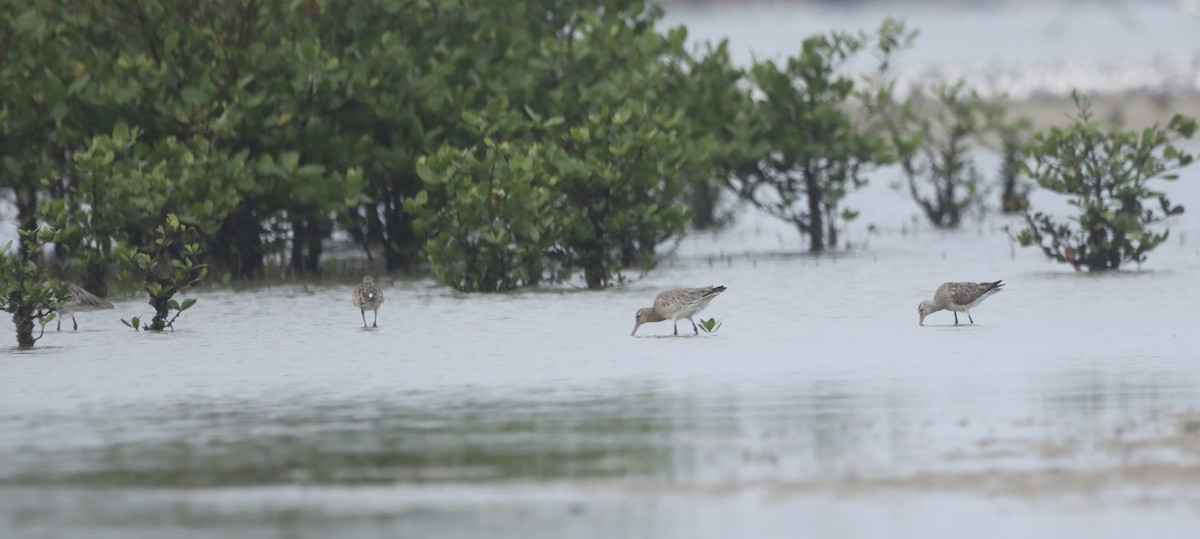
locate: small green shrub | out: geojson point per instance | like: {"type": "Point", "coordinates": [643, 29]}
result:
{"type": "Point", "coordinates": [26, 289]}
{"type": "Point", "coordinates": [809, 148]}
{"type": "Point", "coordinates": [934, 138]}
{"type": "Point", "coordinates": [1106, 178]}
{"type": "Point", "coordinates": [166, 266]}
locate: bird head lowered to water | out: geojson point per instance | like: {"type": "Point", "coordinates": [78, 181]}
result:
{"type": "Point", "coordinates": [677, 304]}
{"type": "Point", "coordinates": [956, 298]}
{"type": "Point", "coordinates": [644, 315]}
{"type": "Point", "coordinates": [926, 308]}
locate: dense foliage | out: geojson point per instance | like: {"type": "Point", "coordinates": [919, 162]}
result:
{"type": "Point", "coordinates": [810, 148]}
{"type": "Point", "coordinates": [588, 179]}
{"type": "Point", "coordinates": [270, 124]}
{"type": "Point", "coordinates": [1106, 177]}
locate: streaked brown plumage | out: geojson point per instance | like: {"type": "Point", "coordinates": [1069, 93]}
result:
{"type": "Point", "coordinates": [80, 300]}
{"type": "Point", "coordinates": [677, 304]}
{"type": "Point", "coordinates": [368, 296]}
{"type": "Point", "coordinates": [957, 297]}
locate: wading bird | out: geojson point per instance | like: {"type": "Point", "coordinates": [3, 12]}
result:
{"type": "Point", "coordinates": [367, 296]}
{"type": "Point", "coordinates": [80, 300]}
{"type": "Point", "coordinates": [957, 297]}
{"type": "Point", "coordinates": [677, 304]}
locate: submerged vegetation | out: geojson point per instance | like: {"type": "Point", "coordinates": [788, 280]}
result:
{"type": "Point", "coordinates": [502, 144]}
{"type": "Point", "coordinates": [27, 291]}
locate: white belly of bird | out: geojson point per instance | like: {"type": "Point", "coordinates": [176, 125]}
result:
{"type": "Point", "coordinates": [371, 305]}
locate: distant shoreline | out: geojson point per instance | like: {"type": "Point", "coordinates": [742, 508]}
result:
{"type": "Point", "coordinates": [1133, 110]}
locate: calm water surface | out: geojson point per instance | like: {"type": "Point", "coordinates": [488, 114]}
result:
{"type": "Point", "coordinates": [1071, 407]}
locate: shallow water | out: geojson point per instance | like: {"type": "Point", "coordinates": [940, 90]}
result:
{"type": "Point", "coordinates": [1070, 407]}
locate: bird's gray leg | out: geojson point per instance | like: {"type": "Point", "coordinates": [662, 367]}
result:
{"type": "Point", "coordinates": [59, 328]}
{"type": "Point", "coordinates": [375, 321]}
{"type": "Point", "coordinates": [74, 323]}
{"type": "Point", "coordinates": [676, 322]}
{"type": "Point", "coordinates": [364, 315]}
{"type": "Point", "coordinates": [969, 317]}
{"type": "Point", "coordinates": [955, 318]}
{"type": "Point", "coordinates": [695, 331]}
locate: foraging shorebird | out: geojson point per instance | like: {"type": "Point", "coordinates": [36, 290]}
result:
{"type": "Point", "coordinates": [368, 296]}
{"type": "Point", "coordinates": [957, 297]}
{"type": "Point", "coordinates": [80, 300]}
{"type": "Point", "coordinates": [677, 304]}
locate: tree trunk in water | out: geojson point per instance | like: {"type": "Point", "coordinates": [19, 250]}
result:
{"type": "Point", "coordinates": [299, 240]}
{"type": "Point", "coordinates": [402, 238]}
{"type": "Point", "coordinates": [391, 229]}
{"type": "Point", "coordinates": [1096, 256]}
{"type": "Point", "coordinates": [26, 199]}
{"type": "Point", "coordinates": [816, 223]}
{"type": "Point", "coordinates": [357, 227]}
{"type": "Point", "coordinates": [316, 234]}
{"type": "Point", "coordinates": [592, 261]}
{"type": "Point", "coordinates": [94, 278]}
{"type": "Point", "coordinates": [307, 234]}
{"type": "Point", "coordinates": [374, 229]}
{"type": "Point", "coordinates": [238, 243]}
{"type": "Point", "coordinates": [594, 275]}
{"type": "Point", "coordinates": [1010, 169]}
{"type": "Point", "coordinates": [831, 221]}
{"type": "Point", "coordinates": [23, 319]}
{"type": "Point", "coordinates": [161, 310]}
{"type": "Point", "coordinates": [704, 204]}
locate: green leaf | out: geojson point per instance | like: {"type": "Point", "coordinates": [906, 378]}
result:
{"type": "Point", "coordinates": [311, 170]}
{"type": "Point", "coordinates": [58, 111]}
{"type": "Point", "coordinates": [171, 43]}
{"type": "Point", "coordinates": [424, 172]}
{"type": "Point", "coordinates": [289, 160]}
{"type": "Point", "coordinates": [28, 21]}
{"type": "Point", "coordinates": [192, 95]}
{"type": "Point", "coordinates": [78, 84]}
{"type": "Point", "coordinates": [244, 81]}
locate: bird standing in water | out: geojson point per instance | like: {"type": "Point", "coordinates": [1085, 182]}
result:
{"type": "Point", "coordinates": [675, 305]}
{"type": "Point", "coordinates": [80, 300]}
{"type": "Point", "coordinates": [368, 296]}
{"type": "Point", "coordinates": [957, 297]}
